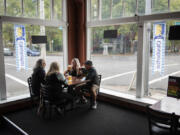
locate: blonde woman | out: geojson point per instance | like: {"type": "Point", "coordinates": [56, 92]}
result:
{"type": "Point", "coordinates": [74, 68]}
{"type": "Point", "coordinates": [56, 80]}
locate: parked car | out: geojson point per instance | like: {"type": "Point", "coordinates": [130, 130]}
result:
{"type": "Point", "coordinates": [8, 52]}
{"type": "Point", "coordinates": [31, 52]}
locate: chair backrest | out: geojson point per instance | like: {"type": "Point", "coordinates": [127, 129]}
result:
{"type": "Point", "coordinates": [160, 119]}
{"type": "Point", "coordinates": [45, 92]}
{"type": "Point", "coordinates": [29, 80]}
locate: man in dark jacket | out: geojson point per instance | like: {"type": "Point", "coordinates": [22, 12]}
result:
{"type": "Point", "coordinates": [93, 83]}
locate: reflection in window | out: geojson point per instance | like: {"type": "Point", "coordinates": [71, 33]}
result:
{"type": "Point", "coordinates": [13, 8]}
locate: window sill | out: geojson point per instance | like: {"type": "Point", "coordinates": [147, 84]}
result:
{"type": "Point", "coordinates": [127, 97]}
{"type": "Point", "coordinates": [15, 98]}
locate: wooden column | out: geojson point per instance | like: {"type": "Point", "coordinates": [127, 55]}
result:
{"type": "Point", "coordinates": [76, 30]}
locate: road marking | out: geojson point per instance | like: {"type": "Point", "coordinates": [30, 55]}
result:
{"type": "Point", "coordinates": [15, 65]}
{"type": "Point", "coordinates": [118, 75]}
{"type": "Point", "coordinates": [17, 80]}
{"type": "Point", "coordinates": [15, 126]}
{"type": "Point", "coordinates": [171, 65]}
{"type": "Point", "coordinates": [164, 77]}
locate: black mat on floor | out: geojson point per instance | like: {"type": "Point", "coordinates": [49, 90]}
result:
{"type": "Point", "coordinates": [5, 131]}
{"type": "Point", "coordinates": [106, 120]}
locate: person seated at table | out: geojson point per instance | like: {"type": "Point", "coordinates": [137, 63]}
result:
{"type": "Point", "coordinates": [93, 84]}
{"type": "Point", "coordinates": [55, 79]}
{"type": "Point", "coordinates": [38, 76]}
{"type": "Point", "coordinates": [74, 68]}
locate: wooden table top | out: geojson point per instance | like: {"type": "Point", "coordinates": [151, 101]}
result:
{"type": "Point", "coordinates": [169, 105]}
{"type": "Point", "coordinates": [76, 81]}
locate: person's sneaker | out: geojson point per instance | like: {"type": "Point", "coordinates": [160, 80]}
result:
{"type": "Point", "coordinates": [84, 101]}
{"type": "Point", "coordinates": [60, 111]}
{"type": "Point", "coordinates": [94, 106]}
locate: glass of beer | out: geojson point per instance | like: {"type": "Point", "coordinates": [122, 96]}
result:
{"type": "Point", "coordinates": [69, 78]}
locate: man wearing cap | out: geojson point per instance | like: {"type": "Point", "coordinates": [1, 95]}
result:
{"type": "Point", "coordinates": [93, 83]}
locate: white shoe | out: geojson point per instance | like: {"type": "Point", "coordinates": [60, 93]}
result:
{"type": "Point", "coordinates": [94, 106]}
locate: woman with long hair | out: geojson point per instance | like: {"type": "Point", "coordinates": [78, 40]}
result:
{"type": "Point", "coordinates": [74, 68]}
{"type": "Point", "coordinates": [38, 76]}
{"type": "Point", "coordinates": [56, 80]}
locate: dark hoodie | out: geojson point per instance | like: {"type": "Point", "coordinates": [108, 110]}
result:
{"type": "Point", "coordinates": [38, 77]}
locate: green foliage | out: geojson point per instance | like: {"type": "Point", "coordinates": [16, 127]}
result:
{"type": "Point", "coordinates": [174, 5]}
{"type": "Point", "coordinates": [94, 9]}
{"type": "Point", "coordinates": [106, 4]}
{"type": "Point", "coordinates": [13, 7]}
{"type": "Point", "coordinates": [160, 6]}
{"type": "Point", "coordinates": [47, 9]}
{"type": "Point", "coordinates": [30, 8]}
{"type": "Point", "coordinates": [57, 9]}
{"type": "Point", "coordinates": [1, 7]}
{"type": "Point", "coordinates": [141, 6]}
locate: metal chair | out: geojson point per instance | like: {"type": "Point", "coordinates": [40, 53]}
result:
{"type": "Point", "coordinates": [160, 123]}
{"type": "Point", "coordinates": [34, 98]}
{"type": "Point", "coordinates": [48, 104]}
{"type": "Point", "coordinates": [99, 78]}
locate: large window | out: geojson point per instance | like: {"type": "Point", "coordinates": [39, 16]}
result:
{"type": "Point", "coordinates": [115, 58]}
{"type": "Point", "coordinates": [51, 10]}
{"type": "Point", "coordinates": [16, 83]}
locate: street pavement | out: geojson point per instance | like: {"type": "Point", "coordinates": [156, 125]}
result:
{"type": "Point", "coordinates": [117, 72]}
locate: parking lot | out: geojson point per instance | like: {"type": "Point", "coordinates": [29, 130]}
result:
{"type": "Point", "coordinates": [117, 72]}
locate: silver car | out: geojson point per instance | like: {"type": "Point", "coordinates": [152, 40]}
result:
{"type": "Point", "coordinates": [8, 52]}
